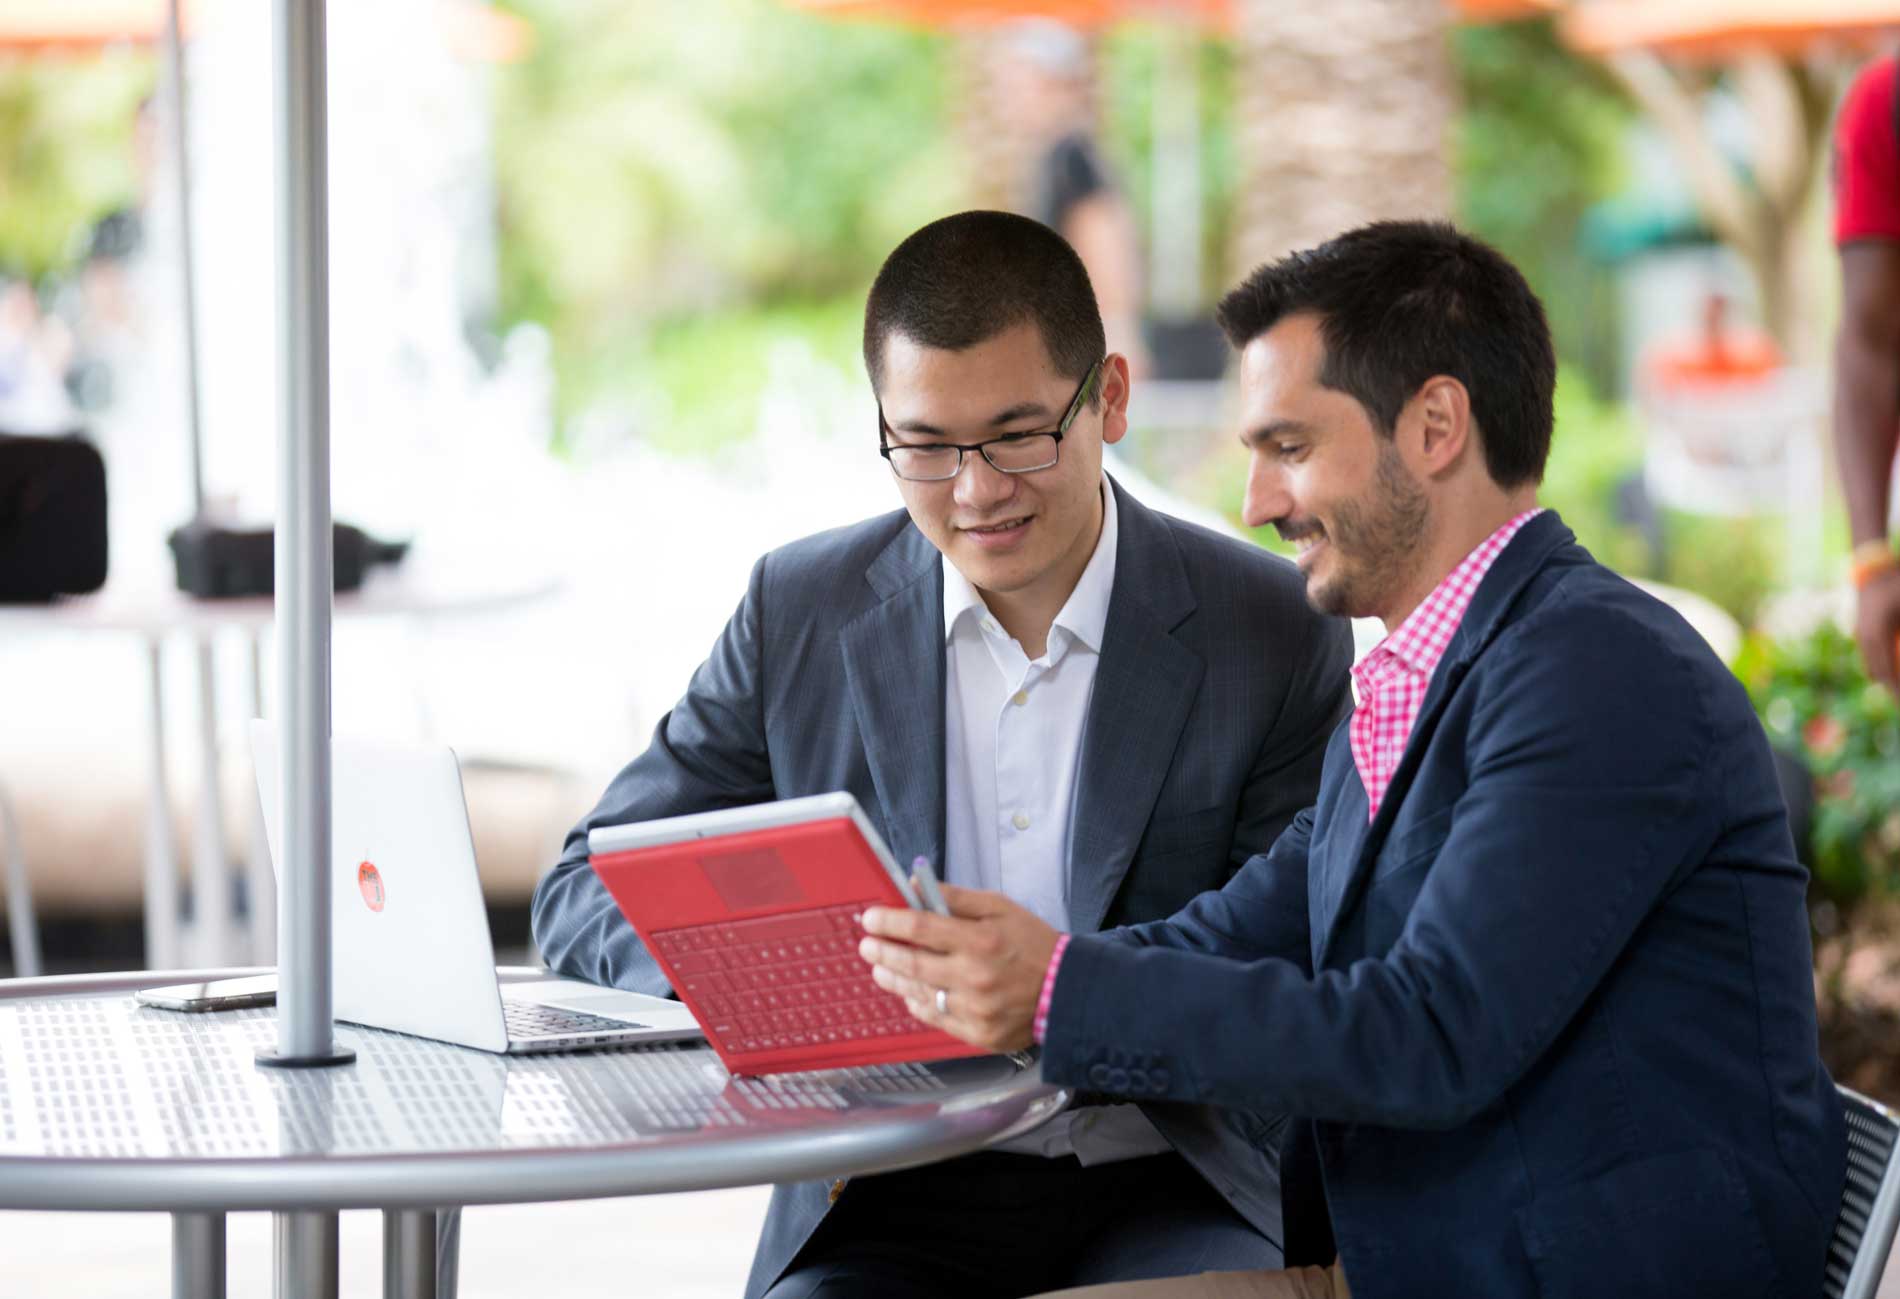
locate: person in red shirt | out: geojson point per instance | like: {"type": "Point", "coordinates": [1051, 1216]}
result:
{"type": "Point", "coordinates": [1867, 352]}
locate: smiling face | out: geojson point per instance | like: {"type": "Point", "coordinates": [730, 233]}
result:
{"type": "Point", "coordinates": [1021, 539]}
{"type": "Point", "coordinates": [1326, 478]}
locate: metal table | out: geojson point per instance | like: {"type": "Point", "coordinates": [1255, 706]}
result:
{"type": "Point", "coordinates": [107, 1105]}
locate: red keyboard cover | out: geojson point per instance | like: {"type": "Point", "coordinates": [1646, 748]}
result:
{"type": "Point", "coordinates": [777, 985]}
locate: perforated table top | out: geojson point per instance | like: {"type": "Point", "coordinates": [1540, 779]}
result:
{"type": "Point", "coordinates": [106, 1104]}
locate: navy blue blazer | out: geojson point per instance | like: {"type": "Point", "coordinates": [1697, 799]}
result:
{"type": "Point", "coordinates": [1215, 693]}
{"type": "Point", "coordinates": [1551, 1013]}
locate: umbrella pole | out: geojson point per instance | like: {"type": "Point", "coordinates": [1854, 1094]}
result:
{"type": "Point", "coordinates": [303, 560]}
{"type": "Point", "coordinates": [305, 1244]}
{"type": "Point", "coordinates": [175, 68]}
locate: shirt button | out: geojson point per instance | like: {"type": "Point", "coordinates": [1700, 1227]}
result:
{"type": "Point", "coordinates": [1020, 698]}
{"type": "Point", "coordinates": [1020, 820]}
{"type": "Point", "coordinates": [989, 625]}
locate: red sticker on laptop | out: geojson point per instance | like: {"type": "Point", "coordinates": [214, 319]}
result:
{"type": "Point", "coordinates": [370, 881]}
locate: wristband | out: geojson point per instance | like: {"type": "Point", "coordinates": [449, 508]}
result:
{"type": "Point", "coordinates": [1869, 560]}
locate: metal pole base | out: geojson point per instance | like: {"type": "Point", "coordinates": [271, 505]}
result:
{"type": "Point", "coordinates": [278, 1060]}
{"type": "Point", "coordinates": [197, 1256]}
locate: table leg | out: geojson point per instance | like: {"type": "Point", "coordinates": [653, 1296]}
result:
{"type": "Point", "coordinates": [23, 926]}
{"type": "Point", "coordinates": [211, 894]}
{"type": "Point", "coordinates": [305, 1247]}
{"type": "Point", "coordinates": [161, 851]}
{"type": "Point", "coordinates": [409, 1254]}
{"type": "Point", "coordinates": [197, 1256]}
{"type": "Point", "coordinates": [448, 1253]}
{"type": "Point", "coordinates": [263, 882]}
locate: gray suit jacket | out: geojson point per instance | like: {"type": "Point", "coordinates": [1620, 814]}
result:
{"type": "Point", "coordinates": [1215, 695]}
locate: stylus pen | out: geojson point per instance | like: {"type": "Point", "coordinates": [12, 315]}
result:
{"type": "Point", "coordinates": [927, 885]}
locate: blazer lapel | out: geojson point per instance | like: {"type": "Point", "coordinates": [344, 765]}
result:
{"type": "Point", "coordinates": [894, 667]}
{"type": "Point", "coordinates": [1526, 555]}
{"type": "Point", "coordinates": [1145, 686]}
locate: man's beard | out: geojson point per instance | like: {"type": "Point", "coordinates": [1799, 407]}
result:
{"type": "Point", "coordinates": [1375, 543]}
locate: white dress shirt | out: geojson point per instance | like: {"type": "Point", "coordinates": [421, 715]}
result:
{"type": "Point", "coordinates": [1012, 748]}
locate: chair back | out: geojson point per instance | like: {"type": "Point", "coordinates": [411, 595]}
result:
{"type": "Point", "coordinates": [1870, 1203]}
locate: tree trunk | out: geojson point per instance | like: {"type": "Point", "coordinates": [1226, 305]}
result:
{"type": "Point", "coordinates": [1345, 110]}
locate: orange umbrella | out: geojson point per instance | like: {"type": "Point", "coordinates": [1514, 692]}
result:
{"type": "Point", "coordinates": [475, 32]}
{"type": "Point", "coordinates": [1097, 13]}
{"type": "Point", "coordinates": [1717, 28]}
{"type": "Point", "coordinates": [1076, 13]}
{"type": "Point", "coordinates": [46, 26]}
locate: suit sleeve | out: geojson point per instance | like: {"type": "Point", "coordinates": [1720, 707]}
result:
{"type": "Point", "coordinates": [1262, 909]}
{"type": "Point", "coordinates": [1584, 804]}
{"type": "Point", "coordinates": [709, 752]}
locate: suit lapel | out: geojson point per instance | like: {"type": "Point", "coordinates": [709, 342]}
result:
{"type": "Point", "coordinates": [1332, 869]}
{"type": "Point", "coordinates": [1145, 685]}
{"type": "Point", "coordinates": [1521, 560]}
{"type": "Point", "coordinates": [894, 666]}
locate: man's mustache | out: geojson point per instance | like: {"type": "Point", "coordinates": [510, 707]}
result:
{"type": "Point", "coordinates": [1297, 529]}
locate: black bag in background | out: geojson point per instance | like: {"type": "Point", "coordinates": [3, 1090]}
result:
{"type": "Point", "coordinates": [221, 561]}
{"type": "Point", "coordinates": [52, 518]}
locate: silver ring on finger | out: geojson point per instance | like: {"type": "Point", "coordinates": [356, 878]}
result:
{"type": "Point", "coordinates": [943, 1002]}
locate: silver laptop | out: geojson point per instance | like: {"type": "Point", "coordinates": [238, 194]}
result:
{"type": "Point", "coordinates": [410, 944]}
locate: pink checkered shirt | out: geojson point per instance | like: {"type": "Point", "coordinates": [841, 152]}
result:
{"type": "Point", "coordinates": [1039, 1028]}
{"type": "Point", "coordinates": [1390, 682]}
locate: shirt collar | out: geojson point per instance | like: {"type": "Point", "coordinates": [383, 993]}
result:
{"type": "Point", "coordinates": [1084, 615]}
{"type": "Point", "coordinates": [1420, 642]}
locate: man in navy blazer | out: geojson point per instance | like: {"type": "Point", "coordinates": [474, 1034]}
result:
{"type": "Point", "coordinates": [1534, 974]}
{"type": "Point", "coordinates": [1033, 681]}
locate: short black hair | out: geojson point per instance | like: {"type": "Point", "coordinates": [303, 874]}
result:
{"type": "Point", "coordinates": [1401, 301]}
{"type": "Point", "coordinates": [965, 279]}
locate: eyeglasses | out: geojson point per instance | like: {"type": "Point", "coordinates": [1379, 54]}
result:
{"type": "Point", "coordinates": [1013, 453]}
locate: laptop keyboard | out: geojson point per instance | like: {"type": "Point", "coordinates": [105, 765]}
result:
{"type": "Point", "coordinates": [784, 981]}
{"type": "Point", "coordinates": [526, 1019]}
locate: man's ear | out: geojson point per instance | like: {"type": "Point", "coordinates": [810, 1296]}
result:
{"type": "Point", "coordinates": [1114, 397]}
{"type": "Point", "coordinates": [1439, 420]}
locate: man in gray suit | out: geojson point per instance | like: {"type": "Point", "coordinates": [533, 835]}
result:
{"type": "Point", "coordinates": [1046, 689]}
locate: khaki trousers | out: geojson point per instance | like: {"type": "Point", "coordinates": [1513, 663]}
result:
{"type": "Point", "coordinates": [1293, 1283]}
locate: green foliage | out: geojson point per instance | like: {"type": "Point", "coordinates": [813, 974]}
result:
{"type": "Point", "coordinates": [656, 160]}
{"type": "Point", "coordinates": [1539, 140]}
{"type": "Point", "coordinates": [1816, 700]}
{"type": "Point", "coordinates": [693, 382]}
{"type": "Point", "coordinates": [1130, 77]}
{"type": "Point", "coordinates": [66, 155]}
{"type": "Point", "coordinates": [1595, 448]}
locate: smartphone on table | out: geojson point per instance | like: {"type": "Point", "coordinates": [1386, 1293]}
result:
{"type": "Point", "coordinates": [213, 994]}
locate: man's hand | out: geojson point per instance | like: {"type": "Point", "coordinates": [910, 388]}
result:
{"type": "Point", "coordinates": [1877, 627]}
{"type": "Point", "coordinates": [988, 958]}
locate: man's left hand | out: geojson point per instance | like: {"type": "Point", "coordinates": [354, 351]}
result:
{"type": "Point", "coordinates": [988, 957]}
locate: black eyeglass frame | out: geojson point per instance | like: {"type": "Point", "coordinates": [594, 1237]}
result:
{"type": "Point", "coordinates": [884, 448]}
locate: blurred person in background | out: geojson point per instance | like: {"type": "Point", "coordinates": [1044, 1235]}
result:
{"type": "Point", "coordinates": [1867, 353]}
{"type": "Point", "coordinates": [1040, 686]}
{"type": "Point", "coordinates": [1043, 82]}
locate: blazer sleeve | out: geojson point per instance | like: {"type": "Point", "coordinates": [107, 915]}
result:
{"type": "Point", "coordinates": [1262, 909]}
{"type": "Point", "coordinates": [709, 752]}
{"type": "Point", "coordinates": [1584, 804]}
